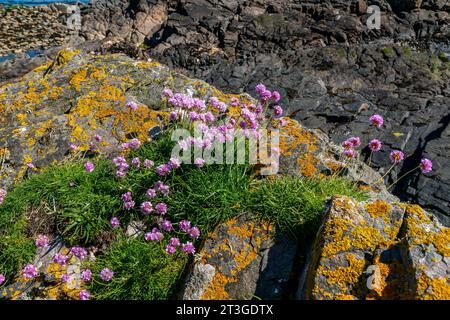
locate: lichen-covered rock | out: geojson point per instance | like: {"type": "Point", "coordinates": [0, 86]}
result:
{"type": "Point", "coordinates": [232, 256]}
{"type": "Point", "coordinates": [49, 285]}
{"type": "Point", "coordinates": [378, 250]}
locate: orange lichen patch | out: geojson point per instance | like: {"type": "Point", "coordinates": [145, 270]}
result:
{"type": "Point", "coordinates": [78, 79]}
{"type": "Point", "coordinates": [365, 237]}
{"type": "Point", "coordinates": [307, 164]}
{"type": "Point", "coordinates": [345, 297]}
{"type": "Point", "coordinates": [292, 135]}
{"type": "Point", "coordinates": [433, 289]}
{"type": "Point", "coordinates": [345, 277]}
{"type": "Point", "coordinates": [147, 64]}
{"type": "Point", "coordinates": [241, 255]}
{"type": "Point", "coordinates": [378, 208]}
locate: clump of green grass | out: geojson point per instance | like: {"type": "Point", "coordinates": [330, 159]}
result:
{"type": "Point", "coordinates": [295, 204]}
{"type": "Point", "coordinates": [142, 271]}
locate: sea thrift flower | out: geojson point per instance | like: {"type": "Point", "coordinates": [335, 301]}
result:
{"type": "Point", "coordinates": [349, 153]}
{"type": "Point", "coordinates": [155, 235]}
{"type": "Point", "coordinates": [125, 146]}
{"type": "Point", "coordinates": [79, 252]}
{"type": "Point", "coordinates": [170, 249]}
{"type": "Point", "coordinates": [174, 163]}
{"type": "Point", "coordinates": [161, 208]}
{"type": "Point", "coordinates": [135, 143]}
{"type": "Point", "coordinates": [376, 120]}
{"type": "Point", "coordinates": [277, 110]}
{"type": "Point", "coordinates": [396, 156]}
{"type": "Point", "coordinates": [188, 248]}
{"type": "Point", "coordinates": [98, 138]}
{"type": "Point", "coordinates": [185, 225]}
{"type": "Point", "coordinates": [132, 105]}
{"type": "Point", "coordinates": [148, 163]}
{"type": "Point", "coordinates": [175, 242]}
{"type": "Point", "coordinates": [120, 174]}
{"type": "Point", "coordinates": [29, 272]}
{"type": "Point", "coordinates": [114, 222]}
{"type": "Point", "coordinates": [2, 278]}
{"type": "Point", "coordinates": [65, 278]}
{"type": "Point", "coordinates": [106, 274]}
{"type": "Point", "coordinates": [127, 196]}
{"type": "Point", "coordinates": [84, 295]}
{"type": "Point", "coordinates": [194, 232]}
{"type": "Point", "coordinates": [61, 259]}
{"type": "Point", "coordinates": [199, 162]}
{"type": "Point", "coordinates": [173, 116]}
{"type": "Point", "coordinates": [276, 96]}
{"type": "Point", "coordinates": [41, 241]}
{"type": "Point", "coordinates": [73, 148]}
{"type": "Point", "coordinates": [161, 187]}
{"type": "Point", "coordinates": [86, 275]}
{"type": "Point", "coordinates": [426, 165]}
{"type": "Point", "coordinates": [129, 205]}
{"type": "Point", "coordinates": [136, 162]}
{"type": "Point", "coordinates": [166, 225]}
{"type": "Point", "coordinates": [375, 145]}
{"type": "Point", "coordinates": [89, 166]}
{"type": "Point", "coordinates": [146, 207]}
{"type": "Point", "coordinates": [151, 193]}
{"type": "Point", "coordinates": [167, 93]}
{"type": "Point", "coordinates": [3, 194]}
{"type": "Point", "coordinates": [162, 169]}
{"type": "Point", "coordinates": [260, 88]}
{"type": "Point", "coordinates": [347, 145]}
{"type": "Point", "coordinates": [355, 141]}
{"type": "Point", "coordinates": [30, 165]}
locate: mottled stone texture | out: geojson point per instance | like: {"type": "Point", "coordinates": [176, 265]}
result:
{"type": "Point", "coordinates": [378, 250]}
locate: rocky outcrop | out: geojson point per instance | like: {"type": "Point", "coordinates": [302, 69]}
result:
{"type": "Point", "coordinates": [378, 250]}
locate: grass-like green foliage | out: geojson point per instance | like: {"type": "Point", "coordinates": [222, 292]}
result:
{"type": "Point", "coordinates": [142, 271]}
{"type": "Point", "coordinates": [295, 205]}
{"type": "Point", "coordinates": [78, 205]}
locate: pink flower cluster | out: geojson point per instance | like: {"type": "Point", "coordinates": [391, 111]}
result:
{"type": "Point", "coordinates": [164, 169]}
{"type": "Point", "coordinates": [3, 194]}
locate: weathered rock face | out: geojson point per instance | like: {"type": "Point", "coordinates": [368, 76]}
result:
{"type": "Point", "coordinates": [378, 250]}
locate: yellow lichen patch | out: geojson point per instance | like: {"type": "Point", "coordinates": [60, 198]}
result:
{"type": "Point", "coordinates": [307, 164]}
{"type": "Point", "coordinates": [433, 289]}
{"type": "Point", "coordinates": [365, 237]}
{"type": "Point", "coordinates": [292, 135]}
{"type": "Point", "coordinates": [78, 79]}
{"type": "Point", "coordinates": [378, 208]}
{"type": "Point", "coordinates": [242, 255]}
{"type": "Point", "coordinates": [346, 278]}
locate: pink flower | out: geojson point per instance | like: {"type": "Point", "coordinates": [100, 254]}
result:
{"type": "Point", "coordinates": [79, 252]}
{"type": "Point", "coordinates": [167, 93]}
{"type": "Point", "coordinates": [86, 275]}
{"type": "Point", "coordinates": [194, 232]}
{"type": "Point", "coordinates": [114, 222]}
{"type": "Point", "coordinates": [106, 274]}
{"type": "Point", "coordinates": [376, 120]}
{"type": "Point", "coordinates": [146, 207]}
{"type": "Point", "coordinates": [396, 156]}
{"type": "Point", "coordinates": [148, 163]}
{"type": "Point", "coordinates": [89, 166]}
{"type": "Point", "coordinates": [174, 163]}
{"type": "Point", "coordinates": [125, 146]}
{"type": "Point", "coordinates": [136, 162]}
{"type": "Point", "coordinates": [188, 248]}
{"type": "Point", "coordinates": [426, 165]}
{"type": "Point", "coordinates": [151, 193]}
{"type": "Point", "coordinates": [170, 249]}
{"type": "Point", "coordinates": [260, 88]}
{"type": "Point", "coordinates": [347, 145]}
{"type": "Point", "coordinates": [73, 148]}
{"type": "Point", "coordinates": [129, 205]}
{"type": "Point", "coordinates": [135, 143]}
{"type": "Point", "coordinates": [132, 105]}
{"type": "Point", "coordinates": [355, 141]}
{"type": "Point", "coordinates": [276, 96]}
{"type": "Point", "coordinates": [199, 162]}
{"type": "Point", "coordinates": [185, 225]}
{"type": "Point", "coordinates": [175, 242]}
{"type": "Point", "coordinates": [277, 110]}
{"type": "Point", "coordinates": [161, 208]}
{"type": "Point", "coordinates": [120, 174]}
{"type": "Point", "coordinates": [30, 165]}
{"type": "Point", "coordinates": [61, 259]}
{"type": "Point", "coordinates": [84, 295]}
{"type": "Point", "coordinates": [162, 169]}
{"type": "Point", "coordinates": [127, 196]}
{"type": "Point", "coordinates": [29, 272]}
{"type": "Point", "coordinates": [173, 116]}
{"type": "Point", "coordinates": [65, 278]}
{"type": "Point", "coordinates": [98, 138]}
{"type": "Point", "coordinates": [160, 186]}
{"type": "Point", "coordinates": [41, 241]}
{"type": "Point", "coordinates": [3, 194]}
{"type": "Point", "coordinates": [375, 145]}
{"type": "Point", "coordinates": [2, 278]}
{"type": "Point", "coordinates": [166, 225]}
{"type": "Point", "coordinates": [119, 161]}
{"type": "Point", "coordinates": [155, 235]}
{"type": "Point", "coordinates": [349, 153]}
